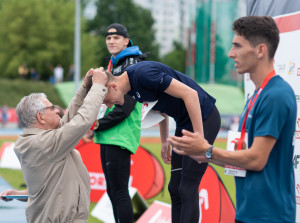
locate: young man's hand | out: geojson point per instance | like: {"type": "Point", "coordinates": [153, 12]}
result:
{"type": "Point", "coordinates": [166, 153]}
{"type": "Point", "coordinates": [191, 143]}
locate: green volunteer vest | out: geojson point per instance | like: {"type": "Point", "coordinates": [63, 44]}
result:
{"type": "Point", "coordinates": [125, 134]}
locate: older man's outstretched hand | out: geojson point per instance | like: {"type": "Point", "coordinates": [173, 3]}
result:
{"type": "Point", "coordinates": [94, 76]}
{"type": "Point", "coordinates": [99, 76]}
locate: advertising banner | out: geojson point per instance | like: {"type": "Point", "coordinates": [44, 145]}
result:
{"type": "Point", "coordinates": [146, 174]}
{"type": "Point", "coordinates": [287, 65]}
{"type": "Point", "coordinates": [8, 158]}
{"type": "Point", "coordinates": [11, 115]}
{"type": "Point", "coordinates": [214, 202]}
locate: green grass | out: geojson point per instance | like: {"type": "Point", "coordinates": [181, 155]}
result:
{"type": "Point", "coordinates": [12, 91]}
{"type": "Point", "coordinates": [15, 178]}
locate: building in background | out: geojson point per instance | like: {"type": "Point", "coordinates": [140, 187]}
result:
{"type": "Point", "coordinates": [171, 21]}
{"type": "Point", "coordinates": [203, 27]}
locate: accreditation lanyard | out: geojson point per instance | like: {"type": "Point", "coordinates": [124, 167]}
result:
{"type": "Point", "coordinates": [250, 105]}
{"type": "Point", "coordinates": [109, 67]}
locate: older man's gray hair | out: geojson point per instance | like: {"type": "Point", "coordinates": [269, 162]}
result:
{"type": "Point", "coordinates": [28, 108]}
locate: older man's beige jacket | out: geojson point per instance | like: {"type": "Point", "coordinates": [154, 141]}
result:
{"type": "Point", "coordinates": [57, 180]}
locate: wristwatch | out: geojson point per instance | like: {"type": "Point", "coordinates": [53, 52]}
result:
{"type": "Point", "coordinates": [209, 153]}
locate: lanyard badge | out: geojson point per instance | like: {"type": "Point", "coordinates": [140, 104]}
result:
{"type": "Point", "coordinates": [250, 105]}
{"type": "Point", "coordinates": [241, 137]}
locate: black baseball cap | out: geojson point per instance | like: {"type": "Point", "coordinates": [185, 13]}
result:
{"type": "Point", "coordinates": [121, 30]}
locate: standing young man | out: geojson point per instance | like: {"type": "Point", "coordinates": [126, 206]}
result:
{"type": "Point", "coordinates": [267, 192]}
{"type": "Point", "coordinates": [179, 97]}
{"type": "Point", "coordinates": [119, 130]}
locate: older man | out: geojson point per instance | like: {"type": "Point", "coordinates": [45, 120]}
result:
{"type": "Point", "coordinates": [57, 181]}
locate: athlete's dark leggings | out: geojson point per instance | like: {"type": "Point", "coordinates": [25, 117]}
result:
{"type": "Point", "coordinates": [186, 175]}
{"type": "Point", "coordinates": [116, 167]}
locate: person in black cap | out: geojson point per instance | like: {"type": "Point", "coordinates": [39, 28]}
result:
{"type": "Point", "coordinates": [119, 130]}
{"type": "Point", "coordinates": [118, 29]}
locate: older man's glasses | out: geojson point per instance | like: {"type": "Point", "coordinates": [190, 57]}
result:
{"type": "Point", "coordinates": [51, 108]}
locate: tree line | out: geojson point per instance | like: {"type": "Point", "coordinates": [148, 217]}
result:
{"type": "Point", "coordinates": [40, 33]}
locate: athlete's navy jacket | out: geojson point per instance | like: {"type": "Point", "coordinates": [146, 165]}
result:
{"type": "Point", "coordinates": [149, 80]}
